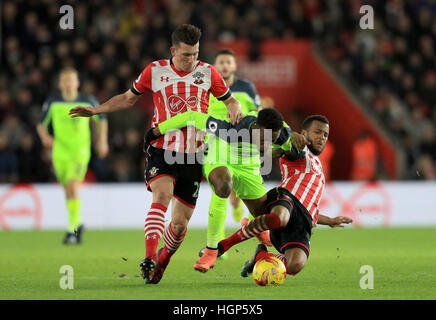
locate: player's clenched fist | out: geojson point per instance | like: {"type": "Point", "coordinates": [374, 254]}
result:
{"type": "Point", "coordinates": [82, 112]}
{"type": "Point", "coordinates": [298, 140]}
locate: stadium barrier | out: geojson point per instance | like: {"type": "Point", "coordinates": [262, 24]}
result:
{"type": "Point", "coordinates": [123, 206]}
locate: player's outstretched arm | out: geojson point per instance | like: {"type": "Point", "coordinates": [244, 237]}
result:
{"type": "Point", "coordinates": [116, 103]}
{"type": "Point", "coordinates": [182, 120]}
{"type": "Point", "coordinates": [287, 141]}
{"type": "Point", "coordinates": [336, 222]}
{"type": "Point", "coordinates": [298, 140]}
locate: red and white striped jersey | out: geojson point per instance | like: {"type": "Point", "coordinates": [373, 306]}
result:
{"type": "Point", "coordinates": [176, 92]}
{"type": "Point", "coordinates": [304, 178]}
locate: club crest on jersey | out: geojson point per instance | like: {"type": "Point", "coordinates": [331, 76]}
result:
{"type": "Point", "coordinates": [198, 76]}
{"type": "Point", "coordinates": [316, 168]}
{"type": "Point", "coordinates": [177, 104]}
{"type": "Point", "coordinates": [153, 171]}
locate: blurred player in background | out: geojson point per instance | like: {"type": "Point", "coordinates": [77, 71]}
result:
{"type": "Point", "coordinates": [294, 205]}
{"type": "Point", "coordinates": [246, 93]}
{"type": "Point", "coordinates": [71, 143]}
{"type": "Point", "coordinates": [179, 84]}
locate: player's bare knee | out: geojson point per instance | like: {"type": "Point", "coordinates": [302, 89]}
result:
{"type": "Point", "coordinates": [295, 267]}
{"type": "Point", "coordinates": [162, 197]}
{"type": "Point", "coordinates": [223, 190]}
{"type": "Point", "coordinates": [283, 214]}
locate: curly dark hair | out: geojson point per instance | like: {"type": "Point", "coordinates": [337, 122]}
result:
{"type": "Point", "coordinates": [270, 119]}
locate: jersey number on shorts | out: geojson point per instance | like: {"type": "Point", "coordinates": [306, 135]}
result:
{"type": "Point", "coordinates": [197, 188]}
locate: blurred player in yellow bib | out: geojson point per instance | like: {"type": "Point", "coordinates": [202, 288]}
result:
{"type": "Point", "coordinates": [71, 144]}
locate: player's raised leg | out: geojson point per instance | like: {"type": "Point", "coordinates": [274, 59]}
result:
{"type": "Point", "coordinates": [276, 219]}
{"type": "Point", "coordinates": [257, 204]}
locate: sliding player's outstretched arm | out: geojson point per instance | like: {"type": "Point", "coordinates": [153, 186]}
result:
{"type": "Point", "coordinates": [116, 103]}
{"type": "Point", "coordinates": [200, 120]}
{"type": "Point", "coordinates": [289, 143]}
{"type": "Point", "coordinates": [336, 222]}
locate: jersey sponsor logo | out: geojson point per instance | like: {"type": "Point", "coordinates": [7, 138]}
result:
{"type": "Point", "coordinates": [166, 79]}
{"type": "Point", "coordinates": [198, 76]}
{"type": "Point", "coordinates": [176, 104]}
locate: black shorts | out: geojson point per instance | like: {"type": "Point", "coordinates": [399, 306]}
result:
{"type": "Point", "coordinates": [298, 231]}
{"type": "Point", "coordinates": [187, 177]}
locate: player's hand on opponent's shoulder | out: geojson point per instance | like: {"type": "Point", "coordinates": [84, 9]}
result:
{"type": "Point", "coordinates": [80, 111]}
{"type": "Point", "coordinates": [338, 221]}
{"type": "Point", "coordinates": [234, 114]}
{"type": "Point", "coordinates": [298, 140]}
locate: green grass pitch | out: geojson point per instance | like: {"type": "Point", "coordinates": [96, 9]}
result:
{"type": "Point", "coordinates": [106, 267]}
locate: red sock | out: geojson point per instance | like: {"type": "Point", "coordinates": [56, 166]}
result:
{"type": "Point", "coordinates": [172, 243]}
{"type": "Point", "coordinates": [255, 227]}
{"type": "Point", "coordinates": [154, 227]}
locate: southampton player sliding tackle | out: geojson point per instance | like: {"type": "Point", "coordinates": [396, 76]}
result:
{"type": "Point", "coordinates": [294, 204]}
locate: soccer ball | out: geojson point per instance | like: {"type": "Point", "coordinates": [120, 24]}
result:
{"type": "Point", "coordinates": [269, 271]}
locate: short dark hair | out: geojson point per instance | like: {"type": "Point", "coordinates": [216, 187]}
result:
{"type": "Point", "coordinates": [225, 51]}
{"type": "Point", "coordinates": [270, 119]}
{"type": "Point", "coordinates": [186, 33]}
{"type": "Point", "coordinates": [316, 117]}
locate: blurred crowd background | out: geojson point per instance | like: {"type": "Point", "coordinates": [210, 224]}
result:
{"type": "Point", "coordinates": [394, 66]}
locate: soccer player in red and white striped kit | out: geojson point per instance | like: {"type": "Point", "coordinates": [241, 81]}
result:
{"type": "Point", "coordinates": [292, 207]}
{"type": "Point", "coordinates": [179, 84]}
